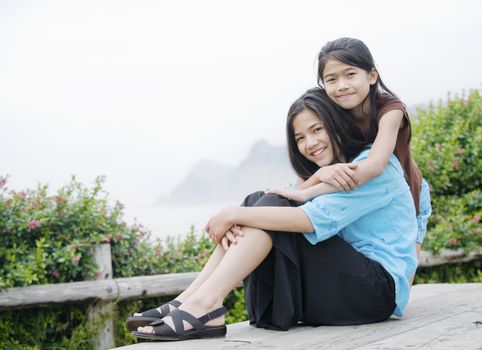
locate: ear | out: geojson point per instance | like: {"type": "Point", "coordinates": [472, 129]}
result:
{"type": "Point", "coordinates": [373, 76]}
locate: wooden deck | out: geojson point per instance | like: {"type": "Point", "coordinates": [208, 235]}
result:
{"type": "Point", "coordinates": [439, 316]}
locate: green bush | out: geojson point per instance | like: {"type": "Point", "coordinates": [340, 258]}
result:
{"type": "Point", "coordinates": [447, 146]}
{"type": "Point", "coordinates": [47, 238]}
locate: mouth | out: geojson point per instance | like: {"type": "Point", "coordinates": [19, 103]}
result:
{"type": "Point", "coordinates": [318, 152]}
{"type": "Point", "coordinates": [345, 96]}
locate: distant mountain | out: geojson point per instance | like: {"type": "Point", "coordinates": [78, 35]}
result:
{"type": "Point", "coordinates": [208, 182]}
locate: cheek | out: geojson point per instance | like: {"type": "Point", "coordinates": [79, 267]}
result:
{"type": "Point", "coordinates": [301, 148]}
{"type": "Point", "coordinates": [330, 90]}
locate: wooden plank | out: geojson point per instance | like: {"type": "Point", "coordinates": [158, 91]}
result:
{"type": "Point", "coordinates": [107, 290]}
{"type": "Point", "coordinates": [154, 286]}
{"type": "Point", "coordinates": [448, 308]}
{"type": "Point", "coordinates": [447, 256]}
{"type": "Point", "coordinates": [456, 332]}
{"type": "Point", "coordinates": [44, 295]}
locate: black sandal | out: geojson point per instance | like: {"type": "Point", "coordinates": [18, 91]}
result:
{"type": "Point", "coordinates": [163, 332]}
{"type": "Point", "coordinates": [150, 315]}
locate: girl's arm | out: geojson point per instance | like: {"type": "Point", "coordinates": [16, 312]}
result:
{"type": "Point", "coordinates": [305, 194]}
{"type": "Point", "coordinates": [382, 148]}
{"type": "Point", "coordinates": [341, 176]}
{"type": "Point", "coordinates": [287, 219]}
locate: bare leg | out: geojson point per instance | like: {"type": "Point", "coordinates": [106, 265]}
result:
{"type": "Point", "coordinates": [207, 270]}
{"type": "Point", "coordinates": [240, 260]}
{"type": "Point", "coordinates": [210, 266]}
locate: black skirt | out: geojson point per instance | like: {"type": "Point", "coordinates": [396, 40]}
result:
{"type": "Point", "coordinates": [329, 283]}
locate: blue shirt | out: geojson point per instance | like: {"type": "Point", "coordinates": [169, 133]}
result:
{"type": "Point", "coordinates": [378, 219]}
{"type": "Point", "coordinates": [425, 211]}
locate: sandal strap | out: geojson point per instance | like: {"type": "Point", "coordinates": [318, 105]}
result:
{"type": "Point", "coordinates": [156, 323]}
{"type": "Point", "coordinates": [213, 314]}
{"type": "Point", "coordinates": [178, 316]}
{"type": "Point", "coordinates": [164, 310]}
{"type": "Point", "coordinates": [175, 303]}
{"type": "Point", "coordinates": [152, 313]}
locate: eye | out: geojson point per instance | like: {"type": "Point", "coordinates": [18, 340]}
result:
{"type": "Point", "coordinates": [299, 139]}
{"type": "Point", "coordinates": [318, 129]}
{"type": "Point", "coordinates": [351, 74]}
{"type": "Point", "coordinates": [329, 80]}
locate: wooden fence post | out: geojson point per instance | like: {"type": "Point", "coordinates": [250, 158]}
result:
{"type": "Point", "coordinates": [100, 310]}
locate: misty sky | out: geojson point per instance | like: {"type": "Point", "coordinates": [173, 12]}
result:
{"type": "Point", "coordinates": [141, 90]}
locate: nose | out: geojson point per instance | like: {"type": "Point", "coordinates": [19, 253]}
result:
{"type": "Point", "coordinates": [342, 84]}
{"type": "Point", "coordinates": [312, 141]}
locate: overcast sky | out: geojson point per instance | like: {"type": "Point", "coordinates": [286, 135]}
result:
{"type": "Point", "coordinates": [141, 90]}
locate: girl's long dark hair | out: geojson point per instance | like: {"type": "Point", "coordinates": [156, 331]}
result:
{"type": "Point", "coordinates": [340, 126]}
{"type": "Point", "coordinates": [355, 53]}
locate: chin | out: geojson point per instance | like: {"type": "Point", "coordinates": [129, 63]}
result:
{"type": "Point", "coordinates": [323, 163]}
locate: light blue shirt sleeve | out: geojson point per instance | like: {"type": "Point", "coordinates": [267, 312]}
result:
{"type": "Point", "coordinates": [330, 213]}
{"type": "Point", "coordinates": [425, 211]}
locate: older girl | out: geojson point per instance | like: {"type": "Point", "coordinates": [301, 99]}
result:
{"type": "Point", "coordinates": [342, 258]}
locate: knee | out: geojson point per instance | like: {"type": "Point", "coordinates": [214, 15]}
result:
{"type": "Point", "coordinates": [252, 198]}
{"type": "Point", "coordinates": [272, 200]}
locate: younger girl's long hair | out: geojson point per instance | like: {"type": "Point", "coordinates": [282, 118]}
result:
{"type": "Point", "coordinates": [355, 53]}
{"type": "Point", "coordinates": [345, 136]}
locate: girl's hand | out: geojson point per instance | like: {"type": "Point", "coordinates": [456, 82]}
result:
{"type": "Point", "coordinates": [220, 224]}
{"type": "Point", "coordinates": [294, 195]}
{"type": "Point", "coordinates": [341, 175]}
{"type": "Point", "coordinates": [231, 237]}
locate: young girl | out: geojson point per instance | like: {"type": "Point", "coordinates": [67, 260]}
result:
{"type": "Point", "coordinates": [347, 72]}
{"type": "Point", "coordinates": [348, 265]}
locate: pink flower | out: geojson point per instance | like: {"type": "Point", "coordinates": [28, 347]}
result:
{"type": "Point", "coordinates": [438, 146]}
{"type": "Point", "coordinates": [452, 241]}
{"type": "Point", "coordinates": [56, 274]}
{"type": "Point", "coordinates": [98, 275]}
{"type": "Point", "coordinates": [158, 252]}
{"type": "Point", "coordinates": [456, 164]}
{"type": "Point", "coordinates": [119, 205]}
{"type": "Point", "coordinates": [3, 181]}
{"type": "Point", "coordinates": [75, 259]}
{"type": "Point", "coordinates": [59, 200]}
{"type": "Point", "coordinates": [33, 224]}
{"type": "Point", "coordinates": [475, 219]}
{"type": "Point", "coordinates": [460, 150]}
{"type": "Point", "coordinates": [22, 194]}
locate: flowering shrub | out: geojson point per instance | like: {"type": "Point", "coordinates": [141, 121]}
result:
{"type": "Point", "coordinates": [447, 145]}
{"type": "Point", "coordinates": [46, 238]}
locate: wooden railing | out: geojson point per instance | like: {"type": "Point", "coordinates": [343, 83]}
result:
{"type": "Point", "coordinates": [106, 291]}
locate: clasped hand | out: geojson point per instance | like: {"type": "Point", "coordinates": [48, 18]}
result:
{"type": "Point", "coordinates": [222, 229]}
{"type": "Point", "coordinates": [341, 175]}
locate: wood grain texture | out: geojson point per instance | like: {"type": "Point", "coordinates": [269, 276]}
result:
{"type": "Point", "coordinates": [439, 316]}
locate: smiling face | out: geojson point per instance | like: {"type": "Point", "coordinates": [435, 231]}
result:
{"type": "Point", "coordinates": [312, 139]}
{"type": "Point", "coordinates": [348, 86]}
